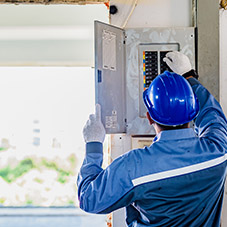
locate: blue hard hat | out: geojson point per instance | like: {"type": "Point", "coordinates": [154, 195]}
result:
{"type": "Point", "coordinates": [170, 100]}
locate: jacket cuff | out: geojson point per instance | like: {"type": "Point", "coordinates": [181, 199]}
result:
{"type": "Point", "coordinates": [94, 147]}
{"type": "Point", "coordinates": [192, 81]}
{"type": "Point", "coordinates": [191, 73]}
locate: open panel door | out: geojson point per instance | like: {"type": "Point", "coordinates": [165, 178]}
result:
{"type": "Point", "coordinates": [110, 76]}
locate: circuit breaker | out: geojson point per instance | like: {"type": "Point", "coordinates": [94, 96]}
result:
{"type": "Point", "coordinates": [126, 62]}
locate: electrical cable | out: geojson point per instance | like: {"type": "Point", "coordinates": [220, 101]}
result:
{"type": "Point", "coordinates": [127, 19]}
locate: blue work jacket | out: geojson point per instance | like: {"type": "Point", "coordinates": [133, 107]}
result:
{"type": "Point", "coordinates": [177, 181]}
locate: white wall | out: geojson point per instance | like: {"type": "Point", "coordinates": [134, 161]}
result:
{"type": "Point", "coordinates": [48, 34]}
{"type": "Point", "coordinates": [223, 85]}
{"type": "Point", "coordinates": [223, 59]}
{"type": "Point", "coordinates": [51, 15]}
{"type": "Point", "coordinates": [153, 13]}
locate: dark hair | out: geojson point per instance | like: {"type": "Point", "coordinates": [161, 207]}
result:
{"type": "Point", "coordinates": [166, 127]}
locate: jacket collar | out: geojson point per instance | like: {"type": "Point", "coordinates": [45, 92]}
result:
{"type": "Point", "coordinates": [175, 134]}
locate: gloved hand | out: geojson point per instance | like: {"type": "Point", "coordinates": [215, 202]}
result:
{"type": "Point", "coordinates": [178, 62]}
{"type": "Point", "coordinates": [94, 130]}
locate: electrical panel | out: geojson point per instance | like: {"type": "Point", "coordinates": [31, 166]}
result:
{"type": "Point", "coordinates": [126, 62]}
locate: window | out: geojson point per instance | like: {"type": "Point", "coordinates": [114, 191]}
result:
{"type": "Point", "coordinates": [43, 111]}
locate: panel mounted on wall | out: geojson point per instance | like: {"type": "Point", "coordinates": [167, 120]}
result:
{"type": "Point", "coordinates": [155, 43]}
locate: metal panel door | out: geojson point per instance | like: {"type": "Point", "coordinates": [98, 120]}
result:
{"type": "Point", "coordinates": [110, 76]}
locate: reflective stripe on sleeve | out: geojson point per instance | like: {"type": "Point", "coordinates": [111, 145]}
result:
{"type": "Point", "coordinates": [179, 171]}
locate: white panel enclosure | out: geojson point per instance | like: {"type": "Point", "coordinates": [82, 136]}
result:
{"type": "Point", "coordinates": [182, 39]}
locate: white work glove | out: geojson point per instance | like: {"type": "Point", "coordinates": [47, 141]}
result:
{"type": "Point", "coordinates": [178, 62]}
{"type": "Point", "coordinates": [94, 130]}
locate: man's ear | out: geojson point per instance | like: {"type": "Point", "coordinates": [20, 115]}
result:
{"type": "Point", "coordinates": [150, 119]}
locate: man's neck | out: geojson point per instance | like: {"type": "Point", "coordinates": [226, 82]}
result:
{"type": "Point", "coordinates": [159, 128]}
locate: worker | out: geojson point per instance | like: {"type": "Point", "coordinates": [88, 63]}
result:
{"type": "Point", "coordinates": [179, 179]}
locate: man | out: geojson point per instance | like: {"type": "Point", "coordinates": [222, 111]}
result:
{"type": "Point", "coordinates": [177, 181]}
